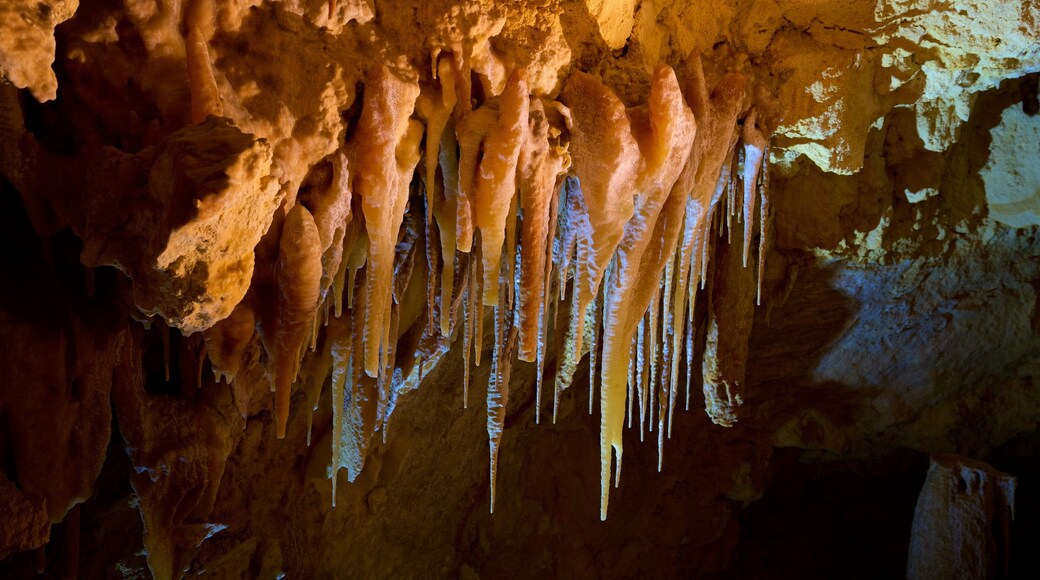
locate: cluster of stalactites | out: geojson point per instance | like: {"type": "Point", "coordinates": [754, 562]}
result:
{"type": "Point", "coordinates": [580, 215]}
{"type": "Point", "coordinates": [637, 245]}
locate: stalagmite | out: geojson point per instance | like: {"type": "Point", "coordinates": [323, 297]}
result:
{"type": "Point", "coordinates": [298, 275]}
{"type": "Point", "coordinates": [385, 146]}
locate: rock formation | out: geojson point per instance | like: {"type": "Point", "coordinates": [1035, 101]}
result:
{"type": "Point", "coordinates": [962, 522]}
{"type": "Point", "coordinates": [252, 245]}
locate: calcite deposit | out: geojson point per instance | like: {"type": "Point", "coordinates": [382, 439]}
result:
{"type": "Point", "coordinates": [262, 257]}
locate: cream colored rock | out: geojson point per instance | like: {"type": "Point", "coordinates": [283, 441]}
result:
{"type": "Point", "coordinates": [1012, 174]}
{"type": "Point", "coordinates": [827, 99]}
{"type": "Point", "coordinates": [191, 220]}
{"type": "Point", "coordinates": [960, 49]}
{"type": "Point", "coordinates": [615, 19]}
{"type": "Point", "coordinates": [206, 265]}
{"type": "Point", "coordinates": [27, 43]}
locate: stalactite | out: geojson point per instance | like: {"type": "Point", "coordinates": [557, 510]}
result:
{"type": "Point", "coordinates": [468, 323]}
{"type": "Point", "coordinates": [543, 160]}
{"type": "Point", "coordinates": [730, 312]}
{"type": "Point", "coordinates": [755, 144]}
{"type": "Point", "coordinates": [446, 210]}
{"type": "Point", "coordinates": [498, 385]}
{"type": "Point", "coordinates": [646, 184]}
{"type": "Point", "coordinates": [633, 364]}
{"type": "Point", "coordinates": [642, 372]}
{"type": "Point", "coordinates": [385, 146]}
{"type": "Point", "coordinates": [329, 200]}
{"type": "Point", "coordinates": [313, 374]}
{"type": "Point", "coordinates": [205, 96]}
{"type": "Point", "coordinates": [665, 131]}
{"type": "Point", "coordinates": [408, 289]}
{"type": "Point", "coordinates": [651, 359]}
{"type": "Point", "coordinates": [298, 279]}
{"type": "Point", "coordinates": [568, 227]}
{"type": "Point", "coordinates": [226, 341]}
{"type": "Point", "coordinates": [570, 257]}
{"type": "Point", "coordinates": [512, 254]}
{"type": "Point", "coordinates": [634, 230]}
{"type": "Point", "coordinates": [684, 293]}
{"type": "Point", "coordinates": [667, 336]}
{"type": "Point", "coordinates": [716, 114]}
{"type": "Point", "coordinates": [593, 332]}
{"type": "Point", "coordinates": [477, 305]}
{"type": "Point", "coordinates": [605, 159]}
{"type": "Point", "coordinates": [341, 349]}
{"type": "Point", "coordinates": [437, 110]}
{"type": "Point", "coordinates": [546, 301]}
{"type": "Point", "coordinates": [765, 238]}
{"type": "Point", "coordinates": [496, 131]}
{"type": "Point", "coordinates": [523, 204]}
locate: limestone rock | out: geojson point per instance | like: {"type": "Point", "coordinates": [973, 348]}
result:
{"type": "Point", "coordinates": [1012, 175]}
{"type": "Point", "coordinates": [27, 43]}
{"type": "Point", "coordinates": [962, 521]}
{"type": "Point", "coordinates": [191, 222]}
{"type": "Point", "coordinates": [614, 18]}
{"type": "Point", "coordinates": [956, 50]}
{"type": "Point", "coordinates": [339, 224]}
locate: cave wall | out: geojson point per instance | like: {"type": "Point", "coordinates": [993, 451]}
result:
{"type": "Point", "coordinates": [899, 313]}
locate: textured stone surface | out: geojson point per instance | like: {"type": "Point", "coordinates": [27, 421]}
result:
{"type": "Point", "coordinates": [1012, 180]}
{"type": "Point", "coordinates": [962, 524]}
{"type": "Point", "coordinates": [898, 316]}
{"type": "Point", "coordinates": [27, 43]}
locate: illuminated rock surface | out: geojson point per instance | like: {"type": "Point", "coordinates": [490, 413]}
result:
{"type": "Point", "coordinates": [962, 524]}
{"type": "Point", "coordinates": [252, 246]}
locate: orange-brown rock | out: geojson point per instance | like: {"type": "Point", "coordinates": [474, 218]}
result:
{"type": "Point", "coordinates": [822, 220]}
